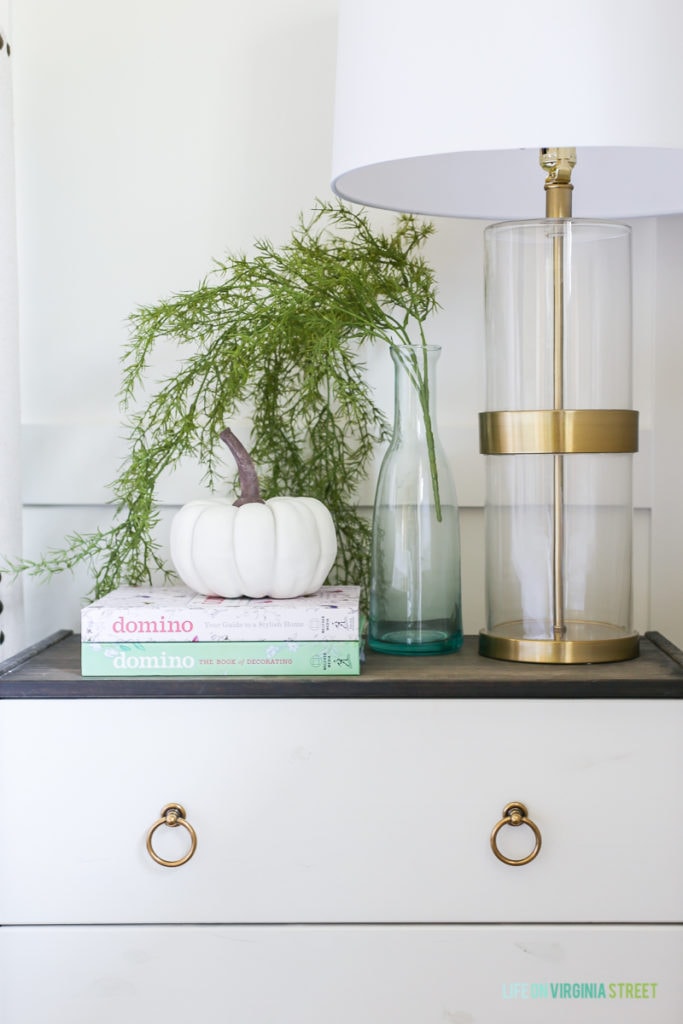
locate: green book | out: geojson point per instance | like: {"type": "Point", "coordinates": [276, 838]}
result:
{"type": "Point", "coordinates": [221, 658]}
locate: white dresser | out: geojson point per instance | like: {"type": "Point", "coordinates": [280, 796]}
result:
{"type": "Point", "coordinates": [343, 870]}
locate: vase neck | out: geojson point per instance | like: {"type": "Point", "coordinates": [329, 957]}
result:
{"type": "Point", "coordinates": [414, 388]}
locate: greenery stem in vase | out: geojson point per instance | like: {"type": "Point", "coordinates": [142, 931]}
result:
{"type": "Point", "coordinates": [414, 359]}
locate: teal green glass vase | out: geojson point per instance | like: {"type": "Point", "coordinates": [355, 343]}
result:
{"type": "Point", "coordinates": [415, 605]}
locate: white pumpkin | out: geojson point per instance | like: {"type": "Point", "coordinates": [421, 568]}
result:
{"type": "Point", "coordinates": [283, 547]}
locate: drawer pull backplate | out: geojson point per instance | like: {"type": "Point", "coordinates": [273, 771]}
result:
{"type": "Point", "coordinates": [515, 814]}
{"type": "Point", "coordinates": [172, 815]}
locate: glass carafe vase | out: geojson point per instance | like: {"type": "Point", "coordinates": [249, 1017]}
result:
{"type": "Point", "coordinates": [415, 570]}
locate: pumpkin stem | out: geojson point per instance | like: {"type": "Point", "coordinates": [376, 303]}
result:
{"type": "Point", "coordinates": [249, 485]}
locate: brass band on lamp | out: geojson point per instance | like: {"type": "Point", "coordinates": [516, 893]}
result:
{"type": "Point", "coordinates": [558, 431]}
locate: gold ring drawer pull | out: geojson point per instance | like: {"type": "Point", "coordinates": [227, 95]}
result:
{"type": "Point", "coordinates": [172, 815]}
{"type": "Point", "coordinates": [515, 814]}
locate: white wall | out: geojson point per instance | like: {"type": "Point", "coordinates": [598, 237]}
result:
{"type": "Point", "coordinates": [667, 461]}
{"type": "Point", "coordinates": [11, 591]}
{"type": "Point", "coordinates": [153, 136]}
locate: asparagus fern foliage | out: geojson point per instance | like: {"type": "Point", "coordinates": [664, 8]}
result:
{"type": "Point", "coordinates": [279, 336]}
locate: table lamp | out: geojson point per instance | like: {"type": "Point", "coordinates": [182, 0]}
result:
{"type": "Point", "coordinates": [446, 108]}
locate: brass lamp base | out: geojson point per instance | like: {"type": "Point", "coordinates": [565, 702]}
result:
{"type": "Point", "coordinates": [558, 652]}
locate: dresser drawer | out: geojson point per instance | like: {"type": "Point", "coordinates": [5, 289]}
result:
{"type": "Point", "coordinates": [361, 974]}
{"type": "Point", "coordinates": [339, 810]}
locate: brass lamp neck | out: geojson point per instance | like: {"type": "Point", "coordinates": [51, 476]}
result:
{"type": "Point", "coordinates": [558, 162]}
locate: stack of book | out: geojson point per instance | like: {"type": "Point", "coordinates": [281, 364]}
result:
{"type": "Point", "coordinates": [173, 631]}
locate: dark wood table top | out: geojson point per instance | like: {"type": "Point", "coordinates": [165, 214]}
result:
{"type": "Point", "coordinates": [51, 669]}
